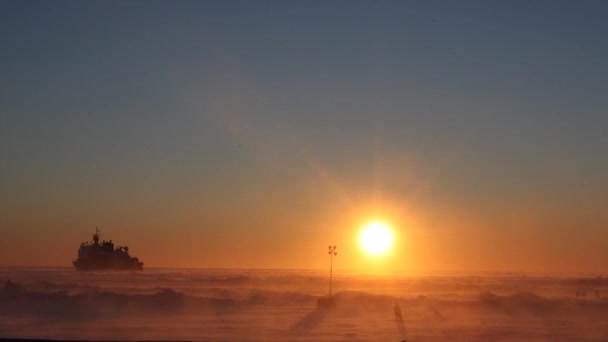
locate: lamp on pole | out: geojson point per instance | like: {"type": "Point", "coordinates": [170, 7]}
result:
{"type": "Point", "coordinates": [328, 302]}
{"type": "Point", "coordinates": [331, 250]}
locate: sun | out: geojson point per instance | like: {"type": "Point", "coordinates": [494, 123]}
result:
{"type": "Point", "coordinates": [376, 238]}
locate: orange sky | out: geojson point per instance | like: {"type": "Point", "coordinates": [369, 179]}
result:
{"type": "Point", "coordinates": [283, 232]}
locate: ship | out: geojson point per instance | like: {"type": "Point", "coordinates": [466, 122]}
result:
{"type": "Point", "coordinates": [95, 255]}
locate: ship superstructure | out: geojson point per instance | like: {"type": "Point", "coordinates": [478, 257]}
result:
{"type": "Point", "coordinates": [95, 255]}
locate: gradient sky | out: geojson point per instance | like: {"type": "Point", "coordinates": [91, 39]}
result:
{"type": "Point", "coordinates": [254, 134]}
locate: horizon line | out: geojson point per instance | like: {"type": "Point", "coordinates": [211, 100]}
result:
{"type": "Point", "coordinates": [400, 272]}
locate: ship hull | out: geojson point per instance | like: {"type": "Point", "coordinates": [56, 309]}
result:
{"type": "Point", "coordinates": [100, 265]}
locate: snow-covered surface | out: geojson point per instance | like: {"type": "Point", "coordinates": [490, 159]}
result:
{"type": "Point", "coordinates": [280, 305]}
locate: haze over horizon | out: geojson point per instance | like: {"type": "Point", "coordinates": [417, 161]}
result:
{"type": "Point", "coordinates": [254, 134]}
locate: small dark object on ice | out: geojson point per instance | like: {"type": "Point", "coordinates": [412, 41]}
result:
{"type": "Point", "coordinates": [397, 310]}
{"type": "Point", "coordinates": [326, 302]}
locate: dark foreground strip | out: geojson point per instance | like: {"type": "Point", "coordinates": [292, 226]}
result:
{"type": "Point", "coordinates": [48, 340]}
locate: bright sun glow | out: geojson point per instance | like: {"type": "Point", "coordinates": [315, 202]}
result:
{"type": "Point", "coordinates": [376, 238]}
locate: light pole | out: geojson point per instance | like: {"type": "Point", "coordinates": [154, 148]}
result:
{"type": "Point", "coordinates": [331, 250]}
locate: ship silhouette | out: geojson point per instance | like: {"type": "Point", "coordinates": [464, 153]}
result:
{"type": "Point", "coordinates": [94, 255]}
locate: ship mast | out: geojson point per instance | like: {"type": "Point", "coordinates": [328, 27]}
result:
{"type": "Point", "coordinates": [96, 236]}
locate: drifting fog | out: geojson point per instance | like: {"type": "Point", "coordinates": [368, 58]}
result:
{"type": "Point", "coordinates": [211, 305]}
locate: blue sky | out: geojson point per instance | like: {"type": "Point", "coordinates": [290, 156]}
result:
{"type": "Point", "coordinates": [171, 108]}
